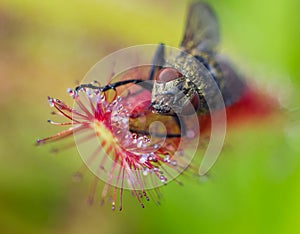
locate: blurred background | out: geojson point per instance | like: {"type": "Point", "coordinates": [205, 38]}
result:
{"type": "Point", "coordinates": [48, 46]}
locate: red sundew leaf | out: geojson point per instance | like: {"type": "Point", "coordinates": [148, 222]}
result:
{"type": "Point", "coordinates": [253, 107]}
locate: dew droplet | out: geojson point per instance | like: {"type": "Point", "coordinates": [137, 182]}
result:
{"type": "Point", "coordinates": [146, 171]}
{"type": "Point", "coordinates": [39, 141]}
{"type": "Point", "coordinates": [120, 107]}
{"type": "Point", "coordinates": [167, 158]}
{"type": "Point", "coordinates": [70, 91]}
{"type": "Point", "coordinates": [163, 179]}
{"type": "Point", "coordinates": [119, 99]}
{"type": "Point", "coordinates": [139, 144]}
{"type": "Point", "coordinates": [134, 135]}
{"type": "Point", "coordinates": [125, 120]}
{"type": "Point", "coordinates": [51, 102]}
{"type": "Point", "coordinates": [143, 159]}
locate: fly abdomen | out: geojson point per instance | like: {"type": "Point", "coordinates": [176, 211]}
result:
{"type": "Point", "coordinates": [229, 82]}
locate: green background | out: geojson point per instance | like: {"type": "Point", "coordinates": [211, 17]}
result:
{"type": "Point", "coordinates": [46, 46]}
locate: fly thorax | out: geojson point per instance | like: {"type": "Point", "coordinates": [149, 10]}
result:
{"type": "Point", "coordinates": [172, 96]}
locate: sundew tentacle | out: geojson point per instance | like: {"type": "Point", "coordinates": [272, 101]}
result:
{"type": "Point", "coordinates": [137, 159]}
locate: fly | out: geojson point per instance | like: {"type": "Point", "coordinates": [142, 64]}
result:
{"type": "Point", "coordinates": [184, 78]}
{"type": "Point", "coordinates": [172, 90]}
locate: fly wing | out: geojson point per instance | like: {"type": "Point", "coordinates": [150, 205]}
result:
{"type": "Point", "coordinates": [202, 29]}
{"type": "Point", "coordinates": [231, 83]}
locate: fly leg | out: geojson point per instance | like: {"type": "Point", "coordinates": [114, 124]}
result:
{"type": "Point", "coordinates": [113, 86]}
{"type": "Point", "coordinates": [180, 123]}
{"type": "Point", "coordinates": [178, 120]}
{"type": "Point", "coordinates": [142, 132]}
{"type": "Point", "coordinates": [158, 60]}
{"type": "Point", "coordinates": [157, 63]}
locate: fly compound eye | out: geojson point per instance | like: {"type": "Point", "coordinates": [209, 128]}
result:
{"type": "Point", "coordinates": [168, 74]}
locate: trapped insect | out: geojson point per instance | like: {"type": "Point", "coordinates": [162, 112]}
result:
{"type": "Point", "coordinates": [183, 80]}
